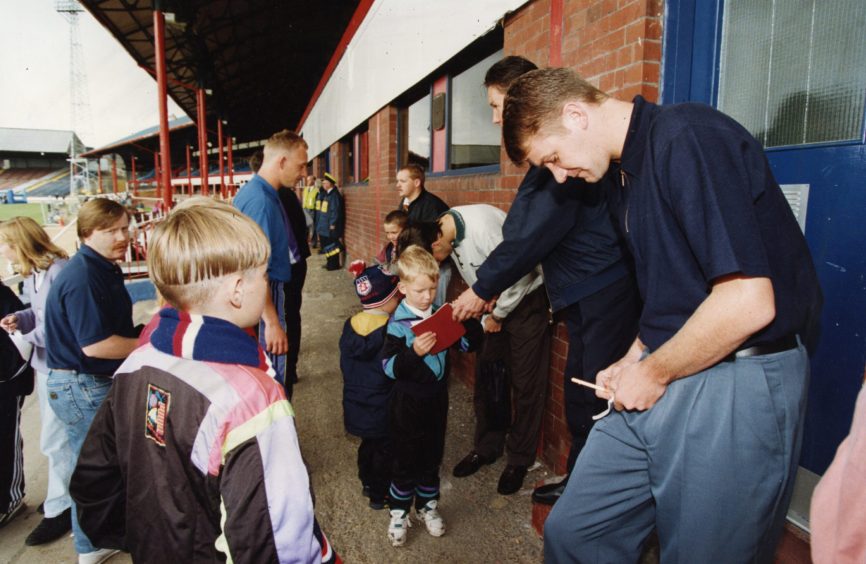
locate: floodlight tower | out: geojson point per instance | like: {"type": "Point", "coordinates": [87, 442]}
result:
{"type": "Point", "coordinates": [79, 172]}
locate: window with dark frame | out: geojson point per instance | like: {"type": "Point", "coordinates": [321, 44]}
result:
{"type": "Point", "coordinates": [361, 152]}
{"type": "Point", "coordinates": [452, 131]}
{"type": "Point", "coordinates": [474, 139]}
{"type": "Point", "coordinates": [415, 131]}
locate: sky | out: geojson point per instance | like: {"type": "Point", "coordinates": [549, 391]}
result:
{"type": "Point", "coordinates": [34, 75]}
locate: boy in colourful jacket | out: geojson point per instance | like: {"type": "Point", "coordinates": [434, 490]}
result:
{"type": "Point", "coordinates": [194, 456]}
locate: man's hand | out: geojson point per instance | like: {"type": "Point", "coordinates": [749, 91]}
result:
{"type": "Point", "coordinates": [467, 305]}
{"type": "Point", "coordinates": [632, 356]}
{"type": "Point", "coordinates": [9, 323]}
{"type": "Point", "coordinates": [424, 343]}
{"type": "Point", "coordinates": [276, 340]}
{"type": "Point", "coordinates": [491, 325]}
{"type": "Point", "coordinates": [635, 385]}
{"type": "Point", "coordinates": [629, 379]}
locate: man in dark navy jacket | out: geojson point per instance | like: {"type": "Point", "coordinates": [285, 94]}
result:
{"type": "Point", "coordinates": [567, 228]}
{"type": "Point", "coordinates": [705, 440]}
{"type": "Point", "coordinates": [420, 204]}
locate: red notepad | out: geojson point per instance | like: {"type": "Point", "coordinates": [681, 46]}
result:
{"type": "Point", "coordinates": [442, 323]}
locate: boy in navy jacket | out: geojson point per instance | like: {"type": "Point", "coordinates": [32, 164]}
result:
{"type": "Point", "coordinates": [418, 407]}
{"type": "Point", "coordinates": [365, 386]}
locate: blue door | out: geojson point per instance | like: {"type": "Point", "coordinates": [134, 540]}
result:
{"type": "Point", "coordinates": [794, 73]}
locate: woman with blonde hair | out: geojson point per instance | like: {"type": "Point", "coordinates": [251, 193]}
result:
{"type": "Point", "coordinates": [27, 246]}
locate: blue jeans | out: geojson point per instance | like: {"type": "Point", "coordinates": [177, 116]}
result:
{"type": "Point", "coordinates": [54, 444]}
{"type": "Point", "coordinates": [711, 465]}
{"type": "Point", "coordinates": [75, 397]}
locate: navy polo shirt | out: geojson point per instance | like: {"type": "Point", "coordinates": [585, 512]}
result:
{"type": "Point", "coordinates": [698, 202]}
{"type": "Point", "coordinates": [87, 303]}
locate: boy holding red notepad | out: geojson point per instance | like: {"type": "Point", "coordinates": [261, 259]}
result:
{"type": "Point", "coordinates": [418, 406]}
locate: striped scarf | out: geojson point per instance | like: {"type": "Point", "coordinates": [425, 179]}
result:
{"type": "Point", "coordinates": [209, 339]}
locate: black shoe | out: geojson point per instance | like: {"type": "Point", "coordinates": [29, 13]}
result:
{"type": "Point", "coordinates": [511, 479]}
{"type": "Point", "coordinates": [41, 509]}
{"type": "Point", "coordinates": [470, 464]}
{"type": "Point", "coordinates": [50, 528]}
{"type": "Point", "coordinates": [548, 494]}
{"type": "Point", "coordinates": [365, 491]}
{"type": "Point", "coordinates": [378, 503]}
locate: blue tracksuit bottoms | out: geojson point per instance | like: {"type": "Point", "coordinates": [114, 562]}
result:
{"type": "Point", "coordinates": [711, 465]}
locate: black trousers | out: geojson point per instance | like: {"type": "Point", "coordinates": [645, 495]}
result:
{"type": "Point", "coordinates": [524, 345]}
{"type": "Point", "coordinates": [11, 452]}
{"type": "Point", "coordinates": [417, 431]}
{"type": "Point", "coordinates": [374, 466]}
{"type": "Point", "coordinates": [332, 248]}
{"type": "Point", "coordinates": [601, 328]}
{"type": "Point", "coordinates": [294, 291]}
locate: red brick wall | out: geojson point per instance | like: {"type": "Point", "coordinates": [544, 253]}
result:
{"type": "Point", "coordinates": [615, 44]}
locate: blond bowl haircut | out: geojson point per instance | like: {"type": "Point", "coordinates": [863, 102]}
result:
{"type": "Point", "coordinates": [98, 213]}
{"type": "Point", "coordinates": [33, 247]}
{"type": "Point", "coordinates": [415, 172]}
{"type": "Point", "coordinates": [206, 201]}
{"type": "Point", "coordinates": [284, 140]}
{"type": "Point", "coordinates": [414, 262]}
{"type": "Point", "coordinates": [534, 103]}
{"type": "Point", "coordinates": [195, 246]}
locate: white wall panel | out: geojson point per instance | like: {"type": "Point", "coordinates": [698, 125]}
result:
{"type": "Point", "coordinates": [398, 43]}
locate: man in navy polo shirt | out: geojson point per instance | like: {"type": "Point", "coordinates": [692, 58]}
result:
{"type": "Point", "coordinates": [283, 162]}
{"type": "Point", "coordinates": [705, 440]}
{"type": "Point", "coordinates": [88, 331]}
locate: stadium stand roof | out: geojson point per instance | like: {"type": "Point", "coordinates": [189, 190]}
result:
{"type": "Point", "coordinates": [17, 140]}
{"type": "Point", "coordinates": [147, 139]}
{"type": "Point", "coordinates": [262, 59]}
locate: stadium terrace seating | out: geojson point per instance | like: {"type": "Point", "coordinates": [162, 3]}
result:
{"type": "Point", "coordinates": [57, 187]}
{"type": "Point", "coordinates": [15, 177]}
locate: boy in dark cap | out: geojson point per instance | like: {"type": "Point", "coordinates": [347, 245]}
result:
{"type": "Point", "coordinates": [365, 385]}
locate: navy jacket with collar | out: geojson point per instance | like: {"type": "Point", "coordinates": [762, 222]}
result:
{"type": "Point", "coordinates": [365, 385]}
{"type": "Point", "coordinates": [565, 227]}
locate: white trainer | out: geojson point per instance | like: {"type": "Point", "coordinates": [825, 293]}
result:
{"type": "Point", "coordinates": [98, 556]}
{"type": "Point", "coordinates": [429, 515]}
{"type": "Point", "coordinates": [398, 528]}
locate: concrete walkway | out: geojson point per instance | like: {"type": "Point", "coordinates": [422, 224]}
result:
{"type": "Point", "coordinates": [482, 526]}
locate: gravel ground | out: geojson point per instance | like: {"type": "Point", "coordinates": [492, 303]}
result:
{"type": "Point", "coordinates": [482, 526]}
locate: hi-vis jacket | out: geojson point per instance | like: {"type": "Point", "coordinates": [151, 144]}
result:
{"type": "Point", "coordinates": [329, 220]}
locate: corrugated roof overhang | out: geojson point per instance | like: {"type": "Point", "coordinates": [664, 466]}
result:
{"type": "Point", "coordinates": [262, 59]}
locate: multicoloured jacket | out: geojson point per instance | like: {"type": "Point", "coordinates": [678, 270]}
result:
{"type": "Point", "coordinates": [194, 456]}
